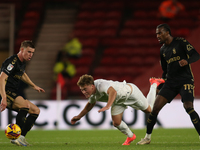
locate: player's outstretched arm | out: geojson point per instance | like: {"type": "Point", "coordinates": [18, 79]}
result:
{"type": "Point", "coordinates": [3, 78]}
{"type": "Point", "coordinates": [86, 109]}
{"type": "Point", "coordinates": [27, 80]}
{"type": "Point", "coordinates": [112, 93]}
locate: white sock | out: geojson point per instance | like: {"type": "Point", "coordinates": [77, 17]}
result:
{"type": "Point", "coordinates": [151, 96]}
{"type": "Point", "coordinates": [21, 136]}
{"type": "Point", "coordinates": [125, 129]}
{"type": "Point", "coordinates": [148, 136]}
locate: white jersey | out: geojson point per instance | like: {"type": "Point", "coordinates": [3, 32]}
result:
{"type": "Point", "coordinates": [125, 97]}
{"type": "Point", "coordinates": [122, 89]}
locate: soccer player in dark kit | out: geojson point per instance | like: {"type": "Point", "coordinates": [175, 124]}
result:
{"type": "Point", "coordinates": [12, 71]}
{"type": "Point", "coordinates": [176, 56]}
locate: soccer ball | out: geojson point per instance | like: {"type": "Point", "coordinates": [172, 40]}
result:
{"type": "Point", "coordinates": [12, 131]}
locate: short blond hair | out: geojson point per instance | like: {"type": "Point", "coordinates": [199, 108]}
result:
{"type": "Point", "coordinates": [85, 80]}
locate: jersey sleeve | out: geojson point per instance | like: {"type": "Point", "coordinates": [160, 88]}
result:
{"type": "Point", "coordinates": [192, 54]}
{"type": "Point", "coordinates": [92, 100]}
{"type": "Point", "coordinates": [103, 87]}
{"type": "Point", "coordinates": [9, 66]}
{"type": "Point", "coordinates": [163, 64]}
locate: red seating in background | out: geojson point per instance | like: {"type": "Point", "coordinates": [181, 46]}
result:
{"type": "Point", "coordinates": [107, 33]}
{"type": "Point", "coordinates": [142, 32]}
{"type": "Point", "coordinates": [89, 42]}
{"type": "Point", "coordinates": [111, 23]}
{"type": "Point", "coordinates": [137, 61]}
{"type": "Point", "coordinates": [122, 61]}
{"type": "Point", "coordinates": [99, 14]}
{"type": "Point", "coordinates": [129, 44]}
{"type": "Point", "coordinates": [81, 70]}
{"type": "Point", "coordinates": [113, 15]}
{"type": "Point", "coordinates": [29, 23]}
{"type": "Point", "coordinates": [142, 23]}
{"type": "Point", "coordinates": [107, 61]}
{"type": "Point", "coordinates": [88, 52]}
{"type": "Point", "coordinates": [83, 61]}
{"type": "Point", "coordinates": [84, 15]}
{"type": "Point", "coordinates": [95, 23]}
{"type": "Point", "coordinates": [27, 33]}
{"type": "Point", "coordinates": [102, 5]}
{"type": "Point", "coordinates": [146, 5]}
{"type": "Point", "coordinates": [81, 24]}
{"type": "Point", "coordinates": [33, 14]}
{"type": "Point", "coordinates": [141, 14]}
{"type": "Point", "coordinates": [101, 71]}
{"type": "Point", "coordinates": [111, 51]}
{"type": "Point", "coordinates": [150, 60]}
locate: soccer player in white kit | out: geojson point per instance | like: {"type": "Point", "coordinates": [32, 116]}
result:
{"type": "Point", "coordinates": [118, 96]}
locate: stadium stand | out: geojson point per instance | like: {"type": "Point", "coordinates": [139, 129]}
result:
{"type": "Point", "coordinates": [118, 37]}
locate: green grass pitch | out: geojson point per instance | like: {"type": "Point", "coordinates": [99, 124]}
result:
{"type": "Point", "coordinates": [162, 139]}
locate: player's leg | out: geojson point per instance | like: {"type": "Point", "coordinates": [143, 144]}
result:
{"type": "Point", "coordinates": [137, 100]}
{"type": "Point", "coordinates": [159, 103]}
{"type": "Point", "coordinates": [193, 115]}
{"type": "Point", "coordinates": [187, 94]}
{"type": "Point", "coordinates": [151, 96]}
{"type": "Point", "coordinates": [166, 95]}
{"type": "Point", "coordinates": [117, 113]}
{"type": "Point", "coordinates": [31, 118]}
{"type": "Point", "coordinates": [22, 107]}
{"type": "Point", "coordinates": [26, 123]}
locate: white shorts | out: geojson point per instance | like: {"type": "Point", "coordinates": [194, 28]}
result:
{"type": "Point", "coordinates": [136, 100]}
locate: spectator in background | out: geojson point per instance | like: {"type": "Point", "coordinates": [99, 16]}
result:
{"type": "Point", "coordinates": [64, 66]}
{"type": "Point", "coordinates": [63, 70]}
{"type": "Point", "coordinates": [73, 47]}
{"type": "Point", "coordinates": [169, 9]}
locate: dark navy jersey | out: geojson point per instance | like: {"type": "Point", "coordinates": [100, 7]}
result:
{"type": "Point", "coordinates": [171, 54]}
{"type": "Point", "coordinates": [14, 68]}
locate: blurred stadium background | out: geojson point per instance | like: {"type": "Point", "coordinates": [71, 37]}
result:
{"type": "Point", "coordinates": [118, 38]}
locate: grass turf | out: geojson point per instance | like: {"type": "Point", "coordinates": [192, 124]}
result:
{"type": "Point", "coordinates": [162, 139]}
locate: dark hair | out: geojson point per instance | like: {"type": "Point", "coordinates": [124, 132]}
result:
{"type": "Point", "coordinates": [165, 26]}
{"type": "Point", "coordinates": [27, 43]}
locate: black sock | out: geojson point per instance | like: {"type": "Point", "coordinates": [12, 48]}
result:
{"type": "Point", "coordinates": [21, 117]}
{"type": "Point", "coordinates": [151, 122]}
{"type": "Point", "coordinates": [30, 120]}
{"type": "Point", "coordinates": [194, 118]}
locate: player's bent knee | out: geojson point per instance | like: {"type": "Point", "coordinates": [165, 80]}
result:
{"type": "Point", "coordinates": [148, 110]}
{"type": "Point", "coordinates": [24, 105]}
{"type": "Point", "coordinates": [34, 110]}
{"type": "Point", "coordinates": [37, 111]}
{"type": "Point", "coordinates": [116, 124]}
{"type": "Point", "coordinates": [19, 103]}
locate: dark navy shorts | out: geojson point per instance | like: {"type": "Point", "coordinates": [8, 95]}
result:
{"type": "Point", "coordinates": [11, 96]}
{"type": "Point", "coordinates": [171, 89]}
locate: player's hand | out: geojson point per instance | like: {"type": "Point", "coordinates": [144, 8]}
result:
{"type": "Point", "coordinates": [75, 119]}
{"type": "Point", "coordinates": [39, 89]}
{"type": "Point", "coordinates": [183, 62]}
{"type": "Point", "coordinates": [103, 109]}
{"type": "Point", "coordinates": [3, 105]}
